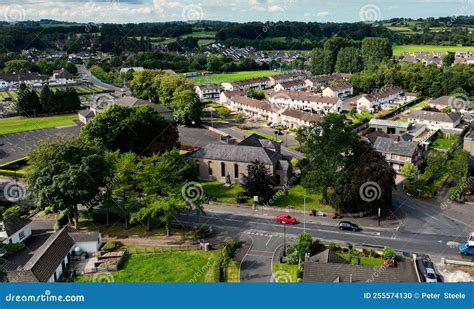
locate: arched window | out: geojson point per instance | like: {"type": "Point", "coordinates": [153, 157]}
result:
{"type": "Point", "coordinates": [209, 166]}
{"type": "Point", "coordinates": [236, 170]}
{"type": "Point", "coordinates": [223, 169]}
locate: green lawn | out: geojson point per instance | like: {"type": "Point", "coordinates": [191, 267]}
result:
{"type": "Point", "coordinates": [177, 266]}
{"type": "Point", "coordinates": [443, 142]}
{"type": "Point", "coordinates": [231, 77]}
{"type": "Point", "coordinates": [295, 198]}
{"type": "Point", "coordinates": [220, 193]}
{"type": "Point", "coordinates": [284, 273]}
{"type": "Point", "coordinates": [398, 49]}
{"type": "Point", "coordinates": [267, 136]}
{"type": "Point", "coordinates": [367, 261]}
{"type": "Point", "coordinates": [20, 124]}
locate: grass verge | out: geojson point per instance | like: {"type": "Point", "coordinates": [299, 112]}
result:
{"type": "Point", "coordinates": [21, 124]}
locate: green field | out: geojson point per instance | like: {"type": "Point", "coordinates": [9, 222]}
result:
{"type": "Point", "coordinates": [398, 49]}
{"type": "Point", "coordinates": [176, 266]}
{"type": "Point", "coordinates": [231, 77]}
{"type": "Point", "coordinates": [20, 124]}
{"type": "Point", "coordinates": [81, 90]}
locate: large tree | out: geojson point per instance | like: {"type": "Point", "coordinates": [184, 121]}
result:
{"type": "Point", "coordinates": [459, 166]}
{"type": "Point", "coordinates": [187, 107]}
{"type": "Point", "coordinates": [258, 181]}
{"type": "Point", "coordinates": [66, 172]}
{"type": "Point", "coordinates": [375, 50]}
{"type": "Point", "coordinates": [370, 184]}
{"type": "Point", "coordinates": [138, 129]}
{"type": "Point", "coordinates": [328, 145]}
{"type": "Point", "coordinates": [349, 60]}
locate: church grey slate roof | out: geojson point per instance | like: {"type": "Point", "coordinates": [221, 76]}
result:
{"type": "Point", "coordinates": [237, 153]}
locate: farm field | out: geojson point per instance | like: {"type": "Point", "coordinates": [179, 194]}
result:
{"type": "Point", "coordinates": [20, 124]}
{"type": "Point", "coordinates": [231, 77]}
{"type": "Point", "coordinates": [398, 49]}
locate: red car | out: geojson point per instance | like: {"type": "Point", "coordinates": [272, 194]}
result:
{"type": "Point", "coordinates": [285, 219]}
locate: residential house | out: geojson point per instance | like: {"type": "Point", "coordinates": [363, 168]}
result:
{"type": "Point", "coordinates": [307, 101]}
{"type": "Point", "coordinates": [328, 266]}
{"type": "Point", "coordinates": [14, 230]}
{"type": "Point", "coordinates": [225, 162]}
{"type": "Point", "coordinates": [226, 96]}
{"type": "Point", "coordinates": [340, 90]}
{"type": "Point", "coordinates": [254, 83]}
{"type": "Point", "coordinates": [294, 119]}
{"type": "Point", "coordinates": [397, 153]}
{"type": "Point", "coordinates": [61, 78]}
{"type": "Point", "coordinates": [315, 83]}
{"type": "Point", "coordinates": [469, 142]}
{"type": "Point", "coordinates": [210, 92]}
{"type": "Point", "coordinates": [374, 102]}
{"type": "Point", "coordinates": [288, 77]}
{"type": "Point", "coordinates": [51, 260]}
{"type": "Point", "coordinates": [134, 69]}
{"type": "Point", "coordinates": [296, 85]}
{"type": "Point", "coordinates": [451, 103]}
{"type": "Point", "coordinates": [14, 80]}
{"type": "Point", "coordinates": [435, 120]}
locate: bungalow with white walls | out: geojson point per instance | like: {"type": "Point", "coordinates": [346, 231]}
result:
{"type": "Point", "coordinates": [61, 78]}
{"type": "Point", "coordinates": [296, 85]}
{"type": "Point", "coordinates": [373, 102]}
{"type": "Point", "coordinates": [14, 80]}
{"type": "Point", "coordinates": [14, 230]}
{"type": "Point", "coordinates": [435, 120]}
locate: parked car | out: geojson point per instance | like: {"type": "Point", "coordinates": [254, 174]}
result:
{"type": "Point", "coordinates": [430, 275]}
{"type": "Point", "coordinates": [285, 219]}
{"type": "Point", "coordinates": [348, 226]}
{"type": "Point", "coordinates": [466, 249]}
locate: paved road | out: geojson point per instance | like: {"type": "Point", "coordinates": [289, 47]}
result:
{"type": "Point", "coordinates": [85, 73]}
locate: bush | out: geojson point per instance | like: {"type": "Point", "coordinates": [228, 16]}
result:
{"type": "Point", "coordinates": [48, 211]}
{"type": "Point", "coordinates": [16, 210]}
{"type": "Point", "coordinates": [111, 246]}
{"type": "Point", "coordinates": [388, 253]}
{"type": "Point", "coordinates": [228, 252]}
{"type": "Point", "coordinates": [9, 249]}
{"type": "Point", "coordinates": [240, 118]}
{"type": "Point", "coordinates": [295, 162]}
{"type": "Point", "coordinates": [333, 247]}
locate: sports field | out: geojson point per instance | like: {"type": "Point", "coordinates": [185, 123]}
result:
{"type": "Point", "coordinates": [231, 77]}
{"type": "Point", "coordinates": [20, 124]}
{"type": "Point", "coordinates": [398, 49]}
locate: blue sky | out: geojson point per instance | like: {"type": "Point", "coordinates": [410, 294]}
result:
{"type": "Point", "coordinates": [120, 11]}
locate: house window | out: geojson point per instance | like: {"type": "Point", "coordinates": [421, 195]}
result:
{"type": "Point", "coordinates": [21, 235]}
{"type": "Point", "coordinates": [209, 166]}
{"type": "Point", "coordinates": [223, 169]}
{"type": "Point", "coordinates": [236, 170]}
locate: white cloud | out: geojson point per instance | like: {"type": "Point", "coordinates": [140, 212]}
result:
{"type": "Point", "coordinates": [318, 14]}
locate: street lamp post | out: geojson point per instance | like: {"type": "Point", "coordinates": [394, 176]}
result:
{"type": "Point", "coordinates": [304, 213]}
{"type": "Point", "coordinates": [379, 216]}
{"type": "Point", "coordinates": [284, 239]}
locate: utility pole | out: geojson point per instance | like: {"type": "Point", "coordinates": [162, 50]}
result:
{"type": "Point", "coordinates": [284, 239]}
{"type": "Point", "coordinates": [304, 213]}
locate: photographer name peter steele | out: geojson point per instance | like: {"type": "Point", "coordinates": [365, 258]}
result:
{"type": "Point", "coordinates": [445, 296]}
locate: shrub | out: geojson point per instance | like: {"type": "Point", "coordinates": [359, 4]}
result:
{"type": "Point", "coordinates": [240, 118]}
{"type": "Point", "coordinates": [16, 210]}
{"type": "Point", "coordinates": [9, 249]}
{"type": "Point", "coordinates": [241, 198]}
{"type": "Point", "coordinates": [388, 253]}
{"type": "Point", "coordinates": [295, 162]}
{"type": "Point", "coordinates": [333, 247]}
{"type": "Point", "coordinates": [111, 245]}
{"type": "Point", "coordinates": [47, 211]}
{"type": "Point", "coordinates": [228, 252]}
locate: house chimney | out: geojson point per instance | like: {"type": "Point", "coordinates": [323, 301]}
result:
{"type": "Point", "coordinates": [350, 278]}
